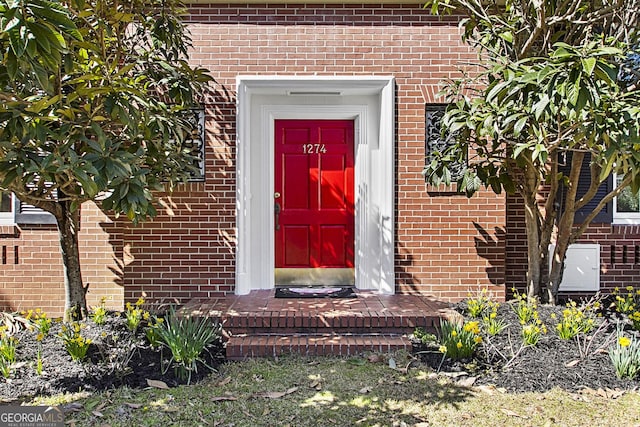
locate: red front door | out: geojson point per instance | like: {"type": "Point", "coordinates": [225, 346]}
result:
{"type": "Point", "coordinates": [313, 199]}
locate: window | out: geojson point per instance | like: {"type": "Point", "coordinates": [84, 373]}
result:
{"type": "Point", "coordinates": [6, 209]}
{"type": "Point", "coordinates": [434, 140]}
{"type": "Point", "coordinates": [13, 211]}
{"type": "Point", "coordinates": [605, 216]}
{"type": "Point", "coordinates": [626, 209]}
{"type": "Point", "coordinates": [196, 142]}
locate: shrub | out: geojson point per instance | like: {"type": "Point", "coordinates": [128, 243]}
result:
{"type": "Point", "coordinates": [187, 337]}
{"type": "Point", "coordinates": [625, 356]}
{"type": "Point", "coordinates": [459, 341]}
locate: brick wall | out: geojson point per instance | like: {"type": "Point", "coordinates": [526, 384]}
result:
{"type": "Point", "coordinates": [31, 264]}
{"type": "Point", "coordinates": [447, 245]}
{"type": "Point", "coordinates": [619, 251]}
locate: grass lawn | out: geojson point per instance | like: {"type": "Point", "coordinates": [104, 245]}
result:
{"type": "Point", "coordinates": [295, 391]}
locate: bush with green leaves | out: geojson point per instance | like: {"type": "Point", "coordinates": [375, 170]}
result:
{"type": "Point", "coordinates": [187, 337]}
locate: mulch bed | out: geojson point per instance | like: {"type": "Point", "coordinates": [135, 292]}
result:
{"type": "Point", "coordinates": [118, 358]}
{"type": "Point", "coordinates": [571, 365]}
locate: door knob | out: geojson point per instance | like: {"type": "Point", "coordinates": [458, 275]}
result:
{"type": "Point", "coordinates": [276, 195]}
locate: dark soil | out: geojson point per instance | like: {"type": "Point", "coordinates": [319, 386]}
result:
{"type": "Point", "coordinates": [116, 357]}
{"type": "Point", "coordinates": [571, 365]}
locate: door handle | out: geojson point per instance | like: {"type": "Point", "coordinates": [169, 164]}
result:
{"type": "Point", "coordinates": [276, 210]}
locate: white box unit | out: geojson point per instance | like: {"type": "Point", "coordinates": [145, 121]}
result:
{"type": "Point", "coordinates": [582, 268]}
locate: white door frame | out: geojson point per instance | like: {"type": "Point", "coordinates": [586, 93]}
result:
{"type": "Point", "coordinates": [369, 101]}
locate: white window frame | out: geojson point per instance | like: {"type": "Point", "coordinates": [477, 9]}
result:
{"type": "Point", "coordinates": [623, 217]}
{"type": "Point", "coordinates": [31, 216]}
{"type": "Point", "coordinates": [9, 218]}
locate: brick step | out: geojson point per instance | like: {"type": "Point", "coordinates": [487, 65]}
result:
{"type": "Point", "coordinates": [324, 323]}
{"type": "Point", "coordinates": [240, 347]}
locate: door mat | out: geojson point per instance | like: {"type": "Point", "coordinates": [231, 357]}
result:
{"type": "Point", "coordinates": [312, 292]}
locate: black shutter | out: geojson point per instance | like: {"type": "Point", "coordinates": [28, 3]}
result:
{"type": "Point", "coordinates": [606, 214]}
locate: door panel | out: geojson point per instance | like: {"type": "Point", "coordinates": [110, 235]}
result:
{"type": "Point", "coordinates": [314, 193]}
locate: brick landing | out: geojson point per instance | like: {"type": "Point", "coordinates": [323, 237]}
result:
{"type": "Point", "coordinates": [260, 325]}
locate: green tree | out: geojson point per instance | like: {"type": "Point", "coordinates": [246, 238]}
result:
{"type": "Point", "coordinates": [554, 82]}
{"type": "Point", "coordinates": [92, 107]}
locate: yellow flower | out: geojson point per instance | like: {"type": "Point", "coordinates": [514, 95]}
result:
{"type": "Point", "coordinates": [478, 339]}
{"type": "Point", "coordinates": [40, 336]}
{"type": "Point", "coordinates": [624, 342]}
{"type": "Point", "coordinates": [442, 349]}
{"type": "Point", "coordinates": [454, 333]}
{"type": "Point", "coordinates": [459, 345]}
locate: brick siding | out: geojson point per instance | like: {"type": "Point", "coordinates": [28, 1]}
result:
{"type": "Point", "coordinates": [446, 245]}
{"type": "Point", "coordinates": [31, 265]}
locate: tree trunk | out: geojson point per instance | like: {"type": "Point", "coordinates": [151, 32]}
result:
{"type": "Point", "coordinates": [75, 306]}
{"type": "Point", "coordinates": [533, 249]}
{"type": "Point", "coordinates": [557, 271]}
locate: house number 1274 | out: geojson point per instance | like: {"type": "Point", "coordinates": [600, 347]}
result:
{"type": "Point", "coordinates": [313, 148]}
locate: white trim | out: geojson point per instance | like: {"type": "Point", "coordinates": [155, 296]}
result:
{"type": "Point", "coordinates": [369, 101]}
{"type": "Point", "coordinates": [8, 217]}
{"type": "Point", "coordinates": [622, 218]}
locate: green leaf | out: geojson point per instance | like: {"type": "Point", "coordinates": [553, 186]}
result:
{"type": "Point", "coordinates": [507, 36]}
{"type": "Point", "coordinates": [12, 23]}
{"type": "Point", "coordinates": [17, 42]}
{"type": "Point", "coordinates": [588, 64]}
{"type": "Point", "coordinates": [520, 124]}
{"type": "Point", "coordinates": [55, 16]}
{"type": "Point", "coordinates": [539, 107]}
